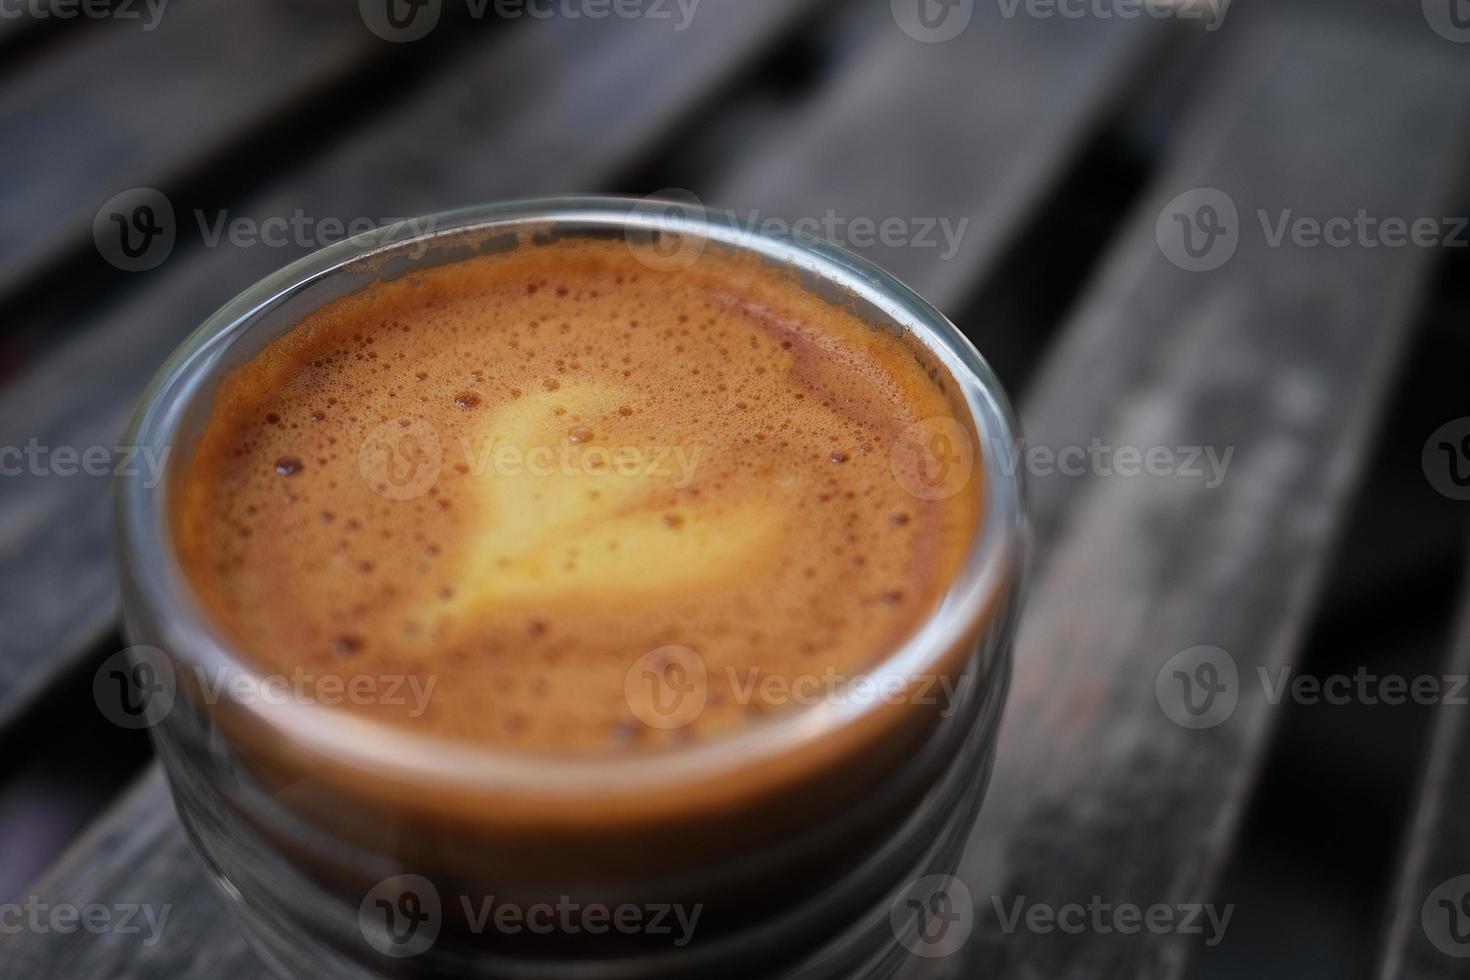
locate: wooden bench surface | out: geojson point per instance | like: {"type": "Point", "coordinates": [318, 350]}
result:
{"type": "Point", "coordinates": [1283, 360]}
{"type": "Point", "coordinates": [1274, 363]}
{"type": "Point", "coordinates": [1429, 935]}
{"type": "Point", "coordinates": [119, 83]}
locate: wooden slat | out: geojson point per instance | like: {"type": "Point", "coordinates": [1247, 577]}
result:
{"type": "Point", "coordinates": [1428, 939]}
{"type": "Point", "coordinates": [149, 867]}
{"type": "Point", "coordinates": [1281, 355]}
{"type": "Point", "coordinates": [975, 131]}
{"type": "Point", "coordinates": [543, 131]}
{"type": "Point", "coordinates": [115, 106]}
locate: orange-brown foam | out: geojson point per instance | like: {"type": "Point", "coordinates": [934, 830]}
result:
{"type": "Point", "coordinates": [628, 459]}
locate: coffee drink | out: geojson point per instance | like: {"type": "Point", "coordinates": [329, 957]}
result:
{"type": "Point", "coordinates": [520, 474]}
{"type": "Point", "coordinates": [532, 561]}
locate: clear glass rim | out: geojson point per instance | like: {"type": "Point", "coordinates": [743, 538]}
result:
{"type": "Point", "coordinates": [159, 593]}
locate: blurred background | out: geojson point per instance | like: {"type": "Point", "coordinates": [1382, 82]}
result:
{"type": "Point", "coordinates": [1021, 163]}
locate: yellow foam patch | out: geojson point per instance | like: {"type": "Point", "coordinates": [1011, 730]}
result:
{"type": "Point", "coordinates": [574, 497]}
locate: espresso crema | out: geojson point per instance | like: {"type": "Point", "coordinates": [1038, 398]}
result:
{"type": "Point", "coordinates": [525, 475]}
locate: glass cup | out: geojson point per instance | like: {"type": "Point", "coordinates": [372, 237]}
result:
{"type": "Point", "coordinates": [815, 843]}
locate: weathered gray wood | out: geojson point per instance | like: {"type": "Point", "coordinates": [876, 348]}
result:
{"type": "Point", "coordinates": [148, 868]}
{"type": "Point", "coordinates": [25, 29]}
{"type": "Point", "coordinates": [973, 131]}
{"type": "Point", "coordinates": [118, 106]}
{"type": "Point", "coordinates": [1282, 355]}
{"type": "Point", "coordinates": [1436, 869]}
{"type": "Point", "coordinates": [513, 118]}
